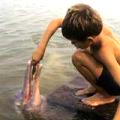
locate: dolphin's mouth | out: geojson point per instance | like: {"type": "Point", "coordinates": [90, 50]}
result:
{"type": "Point", "coordinates": [30, 94]}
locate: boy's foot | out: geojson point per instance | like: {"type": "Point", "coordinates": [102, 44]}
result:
{"type": "Point", "coordinates": [98, 99]}
{"type": "Point", "coordinates": [85, 91]}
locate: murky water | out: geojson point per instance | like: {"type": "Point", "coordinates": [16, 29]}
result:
{"type": "Point", "coordinates": [22, 23]}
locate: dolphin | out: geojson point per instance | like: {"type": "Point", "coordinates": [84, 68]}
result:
{"type": "Point", "coordinates": [32, 104]}
{"type": "Point", "coordinates": [30, 97]}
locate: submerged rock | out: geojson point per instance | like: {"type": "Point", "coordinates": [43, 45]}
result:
{"type": "Point", "coordinates": [65, 97]}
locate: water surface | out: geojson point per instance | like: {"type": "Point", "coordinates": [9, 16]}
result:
{"type": "Point", "coordinates": [22, 22]}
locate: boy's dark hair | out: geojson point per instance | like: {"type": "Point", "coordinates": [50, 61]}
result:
{"type": "Point", "coordinates": [80, 22]}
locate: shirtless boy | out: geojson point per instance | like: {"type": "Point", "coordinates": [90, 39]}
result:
{"type": "Point", "coordinates": [99, 61]}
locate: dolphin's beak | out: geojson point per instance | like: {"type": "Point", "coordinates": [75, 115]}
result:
{"type": "Point", "coordinates": [31, 90]}
{"type": "Point", "coordinates": [36, 86]}
{"type": "Point", "coordinates": [27, 83]}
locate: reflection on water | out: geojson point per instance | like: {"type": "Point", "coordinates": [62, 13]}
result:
{"type": "Point", "coordinates": [22, 22]}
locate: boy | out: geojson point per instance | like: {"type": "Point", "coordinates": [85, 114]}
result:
{"type": "Point", "coordinates": [99, 61]}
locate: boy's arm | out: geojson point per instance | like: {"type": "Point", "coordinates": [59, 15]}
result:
{"type": "Point", "coordinates": [109, 60]}
{"type": "Point", "coordinates": [52, 27]}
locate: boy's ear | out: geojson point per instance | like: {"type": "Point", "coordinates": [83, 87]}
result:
{"type": "Point", "coordinates": [90, 38]}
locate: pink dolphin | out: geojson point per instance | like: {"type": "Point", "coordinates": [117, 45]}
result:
{"type": "Point", "coordinates": [29, 98]}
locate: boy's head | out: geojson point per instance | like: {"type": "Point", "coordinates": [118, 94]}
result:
{"type": "Point", "coordinates": [81, 22]}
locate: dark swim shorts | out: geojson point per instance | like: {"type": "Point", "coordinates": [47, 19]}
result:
{"type": "Point", "coordinates": [107, 82]}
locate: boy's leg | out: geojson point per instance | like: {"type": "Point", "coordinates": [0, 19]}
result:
{"type": "Point", "coordinates": [91, 69]}
{"type": "Point", "coordinates": [87, 66]}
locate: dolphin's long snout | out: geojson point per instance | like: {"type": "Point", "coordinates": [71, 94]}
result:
{"type": "Point", "coordinates": [27, 82]}
{"type": "Point", "coordinates": [32, 84]}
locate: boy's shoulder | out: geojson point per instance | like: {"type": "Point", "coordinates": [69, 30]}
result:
{"type": "Point", "coordinates": [107, 29]}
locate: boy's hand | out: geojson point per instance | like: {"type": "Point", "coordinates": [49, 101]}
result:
{"type": "Point", "coordinates": [36, 56]}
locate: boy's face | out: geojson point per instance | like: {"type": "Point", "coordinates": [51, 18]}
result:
{"type": "Point", "coordinates": [82, 45]}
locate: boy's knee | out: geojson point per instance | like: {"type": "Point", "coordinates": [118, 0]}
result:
{"type": "Point", "coordinates": [77, 57]}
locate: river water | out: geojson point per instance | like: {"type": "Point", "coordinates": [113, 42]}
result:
{"type": "Point", "coordinates": [22, 22]}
